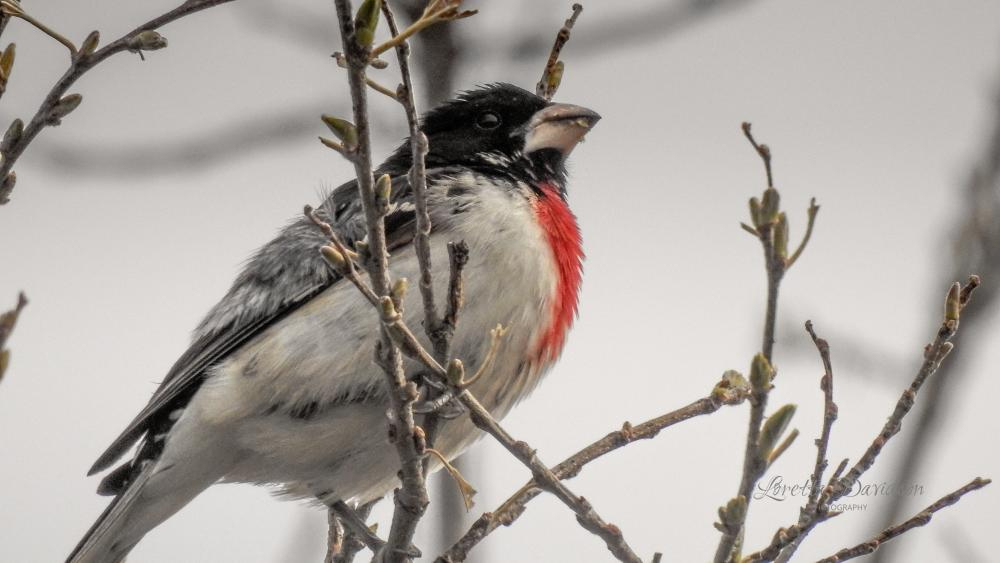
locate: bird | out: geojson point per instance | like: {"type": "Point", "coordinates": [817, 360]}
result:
{"type": "Point", "coordinates": [279, 388]}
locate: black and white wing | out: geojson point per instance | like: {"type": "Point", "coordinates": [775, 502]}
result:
{"type": "Point", "coordinates": [284, 274]}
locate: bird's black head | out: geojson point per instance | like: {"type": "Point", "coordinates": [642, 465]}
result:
{"type": "Point", "coordinates": [500, 122]}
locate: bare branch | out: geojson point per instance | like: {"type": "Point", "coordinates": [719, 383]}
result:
{"type": "Point", "coordinates": [437, 11]}
{"type": "Point", "coordinates": [342, 63]}
{"type": "Point", "coordinates": [418, 182]}
{"type": "Point", "coordinates": [830, 412]}
{"type": "Point", "coordinates": [411, 499]}
{"type": "Point", "coordinates": [732, 390]}
{"type": "Point", "coordinates": [920, 519]}
{"type": "Point", "coordinates": [438, 331]}
{"type": "Point", "coordinates": [53, 106]}
{"type": "Point", "coordinates": [342, 259]}
{"type": "Point", "coordinates": [975, 247]}
{"type": "Point", "coordinates": [552, 75]}
{"type": "Point", "coordinates": [543, 476]}
{"type": "Point", "coordinates": [355, 534]}
{"type": "Point", "coordinates": [13, 8]}
{"type": "Point", "coordinates": [822, 443]}
{"type": "Point", "coordinates": [458, 255]}
{"type": "Point", "coordinates": [934, 354]}
{"type": "Point", "coordinates": [811, 212]}
{"type": "Point", "coordinates": [763, 150]}
{"type": "Point", "coordinates": [770, 225]}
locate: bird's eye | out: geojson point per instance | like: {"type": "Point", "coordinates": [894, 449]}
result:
{"type": "Point", "coordinates": [488, 120]}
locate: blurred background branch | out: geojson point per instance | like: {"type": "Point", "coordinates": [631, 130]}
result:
{"type": "Point", "coordinates": [975, 247]}
{"type": "Point", "coordinates": [7, 322]}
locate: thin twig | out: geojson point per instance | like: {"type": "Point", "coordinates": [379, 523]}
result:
{"type": "Point", "coordinates": [440, 339]}
{"type": "Point", "coordinates": [418, 182]}
{"type": "Point", "coordinates": [437, 11]}
{"type": "Point", "coordinates": [585, 513]}
{"type": "Point", "coordinates": [763, 150]}
{"type": "Point", "coordinates": [355, 536]}
{"type": "Point", "coordinates": [552, 74]}
{"type": "Point", "coordinates": [465, 489]}
{"type": "Point", "coordinates": [411, 499]}
{"type": "Point", "coordinates": [348, 268]}
{"type": "Point", "coordinates": [973, 246]}
{"type": "Point", "coordinates": [13, 8]}
{"type": "Point", "coordinates": [811, 213]}
{"type": "Point", "coordinates": [458, 257]}
{"type": "Point", "coordinates": [934, 354]}
{"type": "Point", "coordinates": [754, 464]}
{"type": "Point", "coordinates": [438, 329]}
{"type": "Point", "coordinates": [336, 535]}
{"type": "Point", "coordinates": [920, 519]}
{"type": "Point", "coordinates": [487, 364]}
{"type": "Point", "coordinates": [724, 394]}
{"type": "Point", "coordinates": [82, 64]}
{"type": "Point", "coordinates": [385, 91]}
{"type": "Point", "coordinates": [830, 412]}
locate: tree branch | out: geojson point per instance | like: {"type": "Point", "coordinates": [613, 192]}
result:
{"type": "Point", "coordinates": [920, 519]}
{"type": "Point", "coordinates": [934, 354]}
{"type": "Point", "coordinates": [770, 227]}
{"type": "Point", "coordinates": [348, 532]}
{"type": "Point", "coordinates": [822, 443]}
{"type": "Point", "coordinates": [418, 181]}
{"type": "Point", "coordinates": [732, 390]}
{"type": "Point", "coordinates": [57, 104]}
{"type": "Point", "coordinates": [411, 499]}
{"type": "Point", "coordinates": [552, 75]}
{"type": "Point", "coordinates": [974, 247]}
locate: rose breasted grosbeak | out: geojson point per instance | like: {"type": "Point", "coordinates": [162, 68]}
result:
{"type": "Point", "coordinates": [279, 387]}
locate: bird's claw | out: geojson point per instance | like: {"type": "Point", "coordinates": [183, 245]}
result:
{"type": "Point", "coordinates": [444, 405]}
{"type": "Point", "coordinates": [442, 402]}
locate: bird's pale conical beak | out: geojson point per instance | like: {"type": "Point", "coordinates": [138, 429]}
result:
{"type": "Point", "coordinates": [560, 127]}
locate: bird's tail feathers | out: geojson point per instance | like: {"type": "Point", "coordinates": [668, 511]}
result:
{"type": "Point", "coordinates": [153, 496]}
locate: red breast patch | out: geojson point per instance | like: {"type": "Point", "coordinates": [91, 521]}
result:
{"type": "Point", "coordinates": [563, 235]}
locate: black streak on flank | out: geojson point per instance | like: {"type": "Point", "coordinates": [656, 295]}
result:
{"type": "Point", "coordinates": [311, 409]}
{"type": "Point", "coordinates": [306, 411]}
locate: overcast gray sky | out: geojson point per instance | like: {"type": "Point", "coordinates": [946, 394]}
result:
{"type": "Point", "coordinates": [875, 108]}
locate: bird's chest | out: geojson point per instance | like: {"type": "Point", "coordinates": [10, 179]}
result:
{"type": "Point", "coordinates": [524, 273]}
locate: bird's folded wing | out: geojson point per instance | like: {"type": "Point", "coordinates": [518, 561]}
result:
{"type": "Point", "coordinates": [297, 247]}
